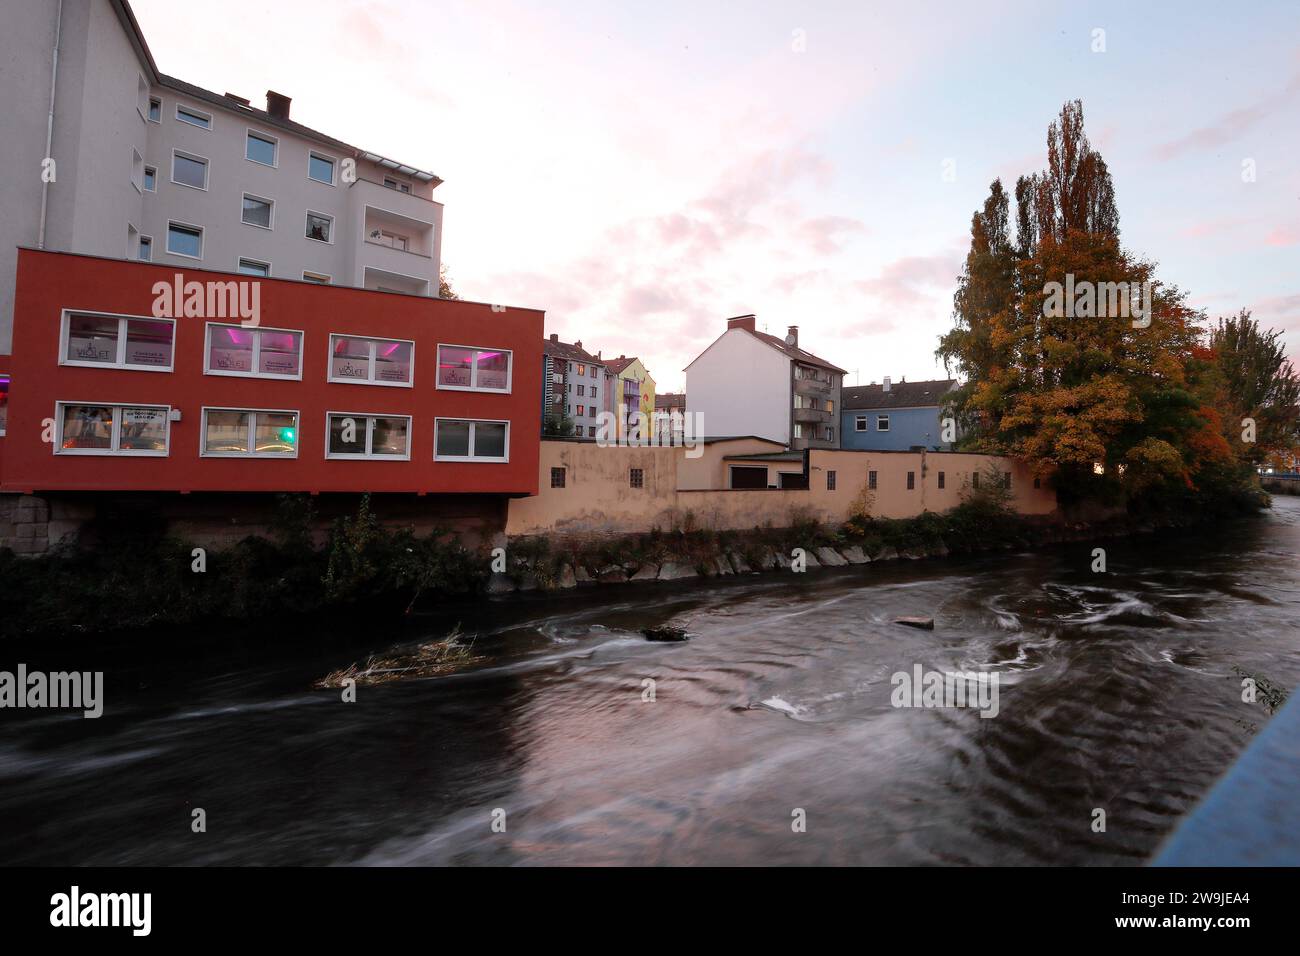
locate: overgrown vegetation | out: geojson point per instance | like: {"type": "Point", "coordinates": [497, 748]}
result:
{"type": "Point", "coordinates": [136, 576]}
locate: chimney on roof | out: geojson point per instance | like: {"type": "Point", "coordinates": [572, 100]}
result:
{"type": "Point", "coordinates": [277, 104]}
{"type": "Point", "coordinates": [578, 344]}
{"type": "Point", "coordinates": [555, 336]}
{"type": "Point", "coordinates": [745, 322]}
{"type": "Point", "coordinates": [792, 336]}
{"type": "Point", "coordinates": [885, 387]}
{"type": "Point", "coordinates": [241, 100]}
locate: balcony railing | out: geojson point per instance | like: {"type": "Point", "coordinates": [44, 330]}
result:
{"type": "Point", "coordinates": [816, 415]}
{"type": "Point", "coordinates": [811, 386]}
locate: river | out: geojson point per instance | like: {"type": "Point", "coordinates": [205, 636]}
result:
{"type": "Point", "coordinates": [770, 739]}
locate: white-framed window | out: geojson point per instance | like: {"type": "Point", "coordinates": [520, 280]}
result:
{"type": "Point", "coordinates": [860, 423]}
{"type": "Point", "coordinates": [189, 169]}
{"type": "Point", "coordinates": [249, 433]}
{"type": "Point", "coordinates": [319, 278]}
{"type": "Point", "coordinates": [137, 170]}
{"type": "Point", "coordinates": [370, 361]}
{"type": "Point", "coordinates": [321, 167]}
{"type": "Point", "coordinates": [474, 369]}
{"type": "Point", "coordinates": [188, 114]}
{"type": "Point", "coordinates": [320, 227]}
{"type": "Point", "coordinates": [253, 267]}
{"type": "Point", "coordinates": [94, 428]}
{"type": "Point", "coordinates": [261, 148]}
{"type": "Point", "coordinates": [258, 212]}
{"type": "Point", "coordinates": [397, 185]}
{"type": "Point", "coordinates": [459, 439]}
{"type": "Point", "coordinates": [185, 239]}
{"type": "Point", "coordinates": [145, 249]}
{"type": "Point", "coordinates": [355, 435]}
{"type": "Point", "coordinates": [882, 423]}
{"type": "Point", "coordinates": [252, 352]}
{"type": "Point", "coordinates": [151, 179]}
{"type": "Point", "coordinates": [393, 240]}
{"type": "Point", "coordinates": [155, 109]}
{"type": "Point", "coordinates": [112, 340]}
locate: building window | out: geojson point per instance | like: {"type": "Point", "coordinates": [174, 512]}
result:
{"type": "Point", "coordinates": [194, 117]}
{"type": "Point", "coordinates": [940, 481]}
{"type": "Point", "coordinates": [860, 423]}
{"type": "Point", "coordinates": [591, 431]}
{"type": "Point", "coordinates": [474, 369]}
{"type": "Point", "coordinates": [830, 433]}
{"type": "Point", "coordinates": [830, 481]}
{"type": "Point", "coordinates": [398, 186]}
{"type": "Point", "coordinates": [460, 440]}
{"type": "Point", "coordinates": [582, 410]}
{"type": "Point", "coordinates": [151, 179]}
{"type": "Point", "coordinates": [319, 226]}
{"type": "Point", "coordinates": [882, 423]}
{"type": "Point", "coordinates": [255, 352]}
{"type": "Point", "coordinates": [4, 402]}
{"type": "Point", "coordinates": [582, 370]}
{"type": "Point", "coordinates": [391, 239]}
{"type": "Point", "coordinates": [117, 341]}
{"type": "Point", "coordinates": [371, 361]}
{"type": "Point", "coordinates": [250, 433]}
{"type": "Point", "coordinates": [593, 371]}
{"type": "Point", "coordinates": [636, 478]}
{"type": "Point", "coordinates": [368, 436]}
{"type": "Point", "coordinates": [318, 277]}
{"type": "Point", "coordinates": [185, 240]}
{"type": "Point", "coordinates": [871, 480]}
{"type": "Point", "coordinates": [830, 406]}
{"type": "Point", "coordinates": [112, 429]}
{"type": "Point", "coordinates": [253, 267]}
{"type": "Point", "coordinates": [974, 479]}
{"type": "Point", "coordinates": [257, 211]}
{"type": "Point", "coordinates": [557, 477]}
{"type": "Point", "coordinates": [146, 249]}
{"type": "Point", "coordinates": [155, 110]}
{"type": "Point", "coordinates": [189, 170]}
{"type": "Point", "coordinates": [911, 480]}
{"type": "Point", "coordinates": [260, 148]}
{"type": "Point", "coordinates": [582, 390]}
{"type": "Point", "coordinates": [320, 168]}
{"type": "Point", "coordinates": [593, 391]}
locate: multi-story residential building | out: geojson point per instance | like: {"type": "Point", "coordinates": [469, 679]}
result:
{"type": "Point", "coordinates": [577, 387]}
{"type": "Point", "coordinates": [897, 416]}
{"type": "Point", "coordinates": [670, 414]}
{"type": "Point", "coordinates": [636, 396]}
{"type": "Point", "coordinates": [146, 187]}
{"type": "Point", "coordinates": [750, 383]}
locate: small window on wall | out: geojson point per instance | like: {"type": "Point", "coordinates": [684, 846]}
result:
{"type": "Point", "coordinates": [146, 249]}
{"type": "Point", "coordinates": [252, 267]}
{"type": "Point", "coordinates": [460, 440]}
{"type": "Point", "coordinates": [321, 169]}
{"type": "Point", "coordinates": [860, 423]}
{"type": "Point", "coordinates": [250, 433]}
{"type": "Point", "coordinates": [871, 480]}
{"type": "Point", "coordinates": [194, 117]}
{"type": "Point", "coordinates": [4, 402]}
{"type": "Point", "coordinates": [911, 480]}
{"type": "Point", "coordinates": [257, 211]}
{"type": "Point", "coordinates": [253, 352]}
{"type": "Point", "coordinates": [557, 477]}
{"type": "Point", "coordinates": [151, 179]}
{"type": "Point", "coordinates": [582, 410]}
{"type": "Point", "coordinates": [319, 226]}
{"type": "Point", "coordinates": [189, 170]}
{"type": "Point", "coordinates": [260, 148]}
{"type": "Point", "coordinates": [882, 423]}
{"type": "Point", "coordinates": [974, 479]}
{"type": "Point", "coordinates": [830, 481]}
{"type": "Point", "coordinates": [117, 341]}
{"type": "Point", "coordinates": [112, 429]}
{"type": "Point", "coordinates": [183, 240]}
{"type": "Point", "coordinates": [368, 436]}
{"type": "Point", "coordinates": [155, 110]}
{"type": "Point", "coordinates": [941, 481]}
{"type": "Point", "coordinates": [371, 361]}
{"type": "Point", "coordinates": [474, 369]}
{"type": "Point", "coordinates": [636, 478]}
{"type": "Point", "coordinates": [317, 277]}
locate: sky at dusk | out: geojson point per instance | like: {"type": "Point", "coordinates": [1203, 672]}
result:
{"type": "Point", "coordinates": [642, 171]}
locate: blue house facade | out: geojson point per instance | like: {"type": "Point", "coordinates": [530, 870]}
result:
{"type": "Point", "coordinates": [894, 417]}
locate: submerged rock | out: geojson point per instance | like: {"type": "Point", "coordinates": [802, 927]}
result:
{"type": "Point", "coordinates": [500, 583]}
{"type": "Point", "coordinates": [647, 572]}
{"type": "Point", "coordinates": [925, 623]}
{"type": "Point", "coordinates": [856, 555]}
{"type": "Point", "coordinates": [665, 633]}
{"type": "Point", "coordinates": [672, 571]}
{"type": "Point", "coordinates": [831, 558]}
{"type": "Point", "coordinates": [567, 578]}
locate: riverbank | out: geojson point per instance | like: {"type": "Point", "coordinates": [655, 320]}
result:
{"type": "Point", "coordinates": [138, 579]}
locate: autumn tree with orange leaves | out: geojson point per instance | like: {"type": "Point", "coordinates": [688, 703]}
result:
{"type": "Point", "coordinates": [1109, 399]}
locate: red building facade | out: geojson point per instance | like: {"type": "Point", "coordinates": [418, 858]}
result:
{"type": "Point", "coordinates": [243, 384]}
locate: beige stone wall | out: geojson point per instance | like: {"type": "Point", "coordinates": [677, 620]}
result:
{"type": "Point", "coordinates": [598, 496]}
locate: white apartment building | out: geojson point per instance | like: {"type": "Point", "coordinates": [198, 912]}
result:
{"type": "Point", "coordinates": [146, 166]}
{"type": "Point", "coordinates": [750, 383]}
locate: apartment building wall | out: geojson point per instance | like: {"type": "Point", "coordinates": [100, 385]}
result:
{"type": "Point", "coordinates": [908, 427]}
{"type": "Point", "coordinates": [740, 386]}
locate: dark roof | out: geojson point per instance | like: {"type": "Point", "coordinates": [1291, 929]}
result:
{"type": "Point", "coordinates": [798, 354]}
{"type": "Point", "coordinates": [127, 16]}
{"type": "Point", "coordinates": [670, 400]}
{"type": "Point", "coordinates": [617, 365]}
{"type": "Point", "coordinates": [767, 456]}
{"type": "Point", "coordinates": [569, 352]}
{"type": "Point", "coordinates": [900, 395]}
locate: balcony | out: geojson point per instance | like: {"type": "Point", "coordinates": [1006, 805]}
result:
{"type": "Point", "coordinates": [811, 386]}
{"type": "Point", "coordinates": [399, 237]}
{"type": "Point", "coordinates": [815, 416]}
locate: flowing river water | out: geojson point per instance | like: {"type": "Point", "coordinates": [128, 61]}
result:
{"type": "Point", "coordinates": [1117, 691]}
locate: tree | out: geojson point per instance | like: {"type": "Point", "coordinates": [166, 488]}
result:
{"type": "Point", "coordinates": [1260, 384]}
{"type": "Point", "coordinates": [445, 291]}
